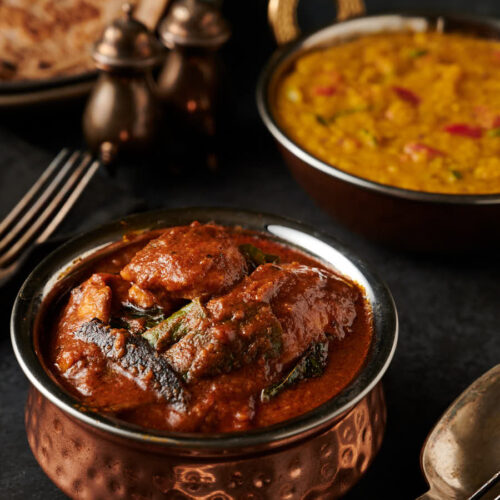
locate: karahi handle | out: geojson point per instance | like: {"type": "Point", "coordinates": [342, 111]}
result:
{"type": "Point", "coordinates": [282, 15]}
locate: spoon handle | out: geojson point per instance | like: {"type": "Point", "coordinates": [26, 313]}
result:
{"type": "Point", "coordinates": [495, 479]}
{"type": "Point", "coordinates": [486, 487]}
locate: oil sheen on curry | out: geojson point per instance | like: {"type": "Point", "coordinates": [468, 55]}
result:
{"type": "Point", "coordinates": [419, 111]}
{"type": "Point", "coordinates": [204, 328]}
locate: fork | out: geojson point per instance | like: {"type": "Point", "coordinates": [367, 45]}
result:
{"type": "Point", "coordinates": [40, 211]}
{"type": "Point", "coordinates": [349, 8]}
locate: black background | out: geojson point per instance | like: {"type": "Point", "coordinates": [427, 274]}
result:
{"type": "Point", "coordinates": [449, 306]}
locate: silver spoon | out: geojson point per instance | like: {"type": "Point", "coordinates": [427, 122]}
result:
{"type": "Point", "coordinates": [461, 456]}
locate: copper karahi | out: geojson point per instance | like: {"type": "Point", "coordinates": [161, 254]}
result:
{"type": "Point", "coordinates": [89, 464]}
{"type": "Point", "coordinates": [407, 219]}
{"type": "Point", "coordinates": [320, 454]}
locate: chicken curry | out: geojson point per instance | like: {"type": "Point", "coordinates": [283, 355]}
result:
{"type": "Point", "coordinates": [205, 328]}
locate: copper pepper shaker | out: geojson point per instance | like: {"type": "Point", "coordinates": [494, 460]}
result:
{"type": "Point", "coordinates": [122, 112]}
{"type": "Point", "coordinates": [190, 81]}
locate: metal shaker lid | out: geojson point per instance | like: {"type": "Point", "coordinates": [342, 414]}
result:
{"type": "Point", "coordinates": [126, 43]}
{"type": "Point", "coordinates": [194, 23]}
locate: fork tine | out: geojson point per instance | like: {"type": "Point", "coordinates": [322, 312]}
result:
{"type": "Point", "coordinates": [68, 204]}
{"type": "Point", "coordinates": [26, 199]}
{"type": "Point", "coordinates": [28, 218]}
{"type": "Point", "coordinates": [20, 245]}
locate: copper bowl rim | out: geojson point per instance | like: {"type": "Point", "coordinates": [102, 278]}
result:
{"type": "Point", "coordinates": [281, 60]}
{"type": "Point", "coordinates": [326, 248]}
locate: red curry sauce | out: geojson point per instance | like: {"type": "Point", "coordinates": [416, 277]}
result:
{"type": "Point", "coordinates": [230, 329]}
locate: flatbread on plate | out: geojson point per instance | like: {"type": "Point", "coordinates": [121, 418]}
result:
{"type": "Point", "coordinates": [43, 39]}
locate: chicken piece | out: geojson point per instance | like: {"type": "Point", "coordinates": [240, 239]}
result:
{"type": "Point", "coordinates": [133, 354]}
{"type": "Point", "coordinates": [102, 295]}
{"type": "Point", "coordinates": [146, 299]}
{"type": "Point", "coordinates": [226, 340]}
{"type": "Point", "coordinates": [82, 363]}
{"type": "Point", "coordinates": [143, 299]}
{"type": "Point", "coordinates": [199, 260]}
{"type": "Point", "coordinates": [277, 312]}
{"type": "Point", "coordinates": [309, 303]}
{"type": "Point", "coordinates": [92, 299]}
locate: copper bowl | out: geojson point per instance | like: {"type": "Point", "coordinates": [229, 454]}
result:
{"type": "Point", "coordinates": [403, 218]}
{"type": "Point", "coordinates": [320, 454]}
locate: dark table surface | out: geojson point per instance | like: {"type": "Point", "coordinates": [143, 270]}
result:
{"type": "Point", "coordinates": [449, 307]}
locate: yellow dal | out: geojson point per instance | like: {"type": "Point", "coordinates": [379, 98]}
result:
{"type": "Point", "coordinates": [400, 109]}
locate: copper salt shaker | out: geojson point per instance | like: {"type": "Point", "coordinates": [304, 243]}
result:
{"type": "Point", "coordinates": [190, 82]}
{"type": "Point", "coordinates": [122, 112]}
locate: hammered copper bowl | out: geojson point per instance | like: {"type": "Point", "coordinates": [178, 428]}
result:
{"type": "Point", "coordinates": [320, 454]}
{"type": "Point", "coordinates": [407, 219]}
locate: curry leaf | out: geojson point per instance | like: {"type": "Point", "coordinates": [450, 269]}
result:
{"type": "Point", "coordinates": [369, 138]}
{"type": "Point", "coordinates": [151, 316]}
{"type": "Point", "coordinates": [322, 120]}
{"type": "Point", "coordinates": [416, 53]}
{"type": "Point", "coordinates": [312, 364]}
{"type": "Point", "coordinates": [176, 326]}
{"type": "Point", "coordinates": [255, 257]}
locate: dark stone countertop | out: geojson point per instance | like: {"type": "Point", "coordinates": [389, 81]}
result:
{"type": "Point", "coordinates": [449, 307]}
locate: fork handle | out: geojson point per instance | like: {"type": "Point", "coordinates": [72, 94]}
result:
{"type": "Point", "coordinates": [282, 15]}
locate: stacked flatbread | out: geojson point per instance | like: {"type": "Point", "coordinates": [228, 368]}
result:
{"type": "Point", "coordinates": [42, 39]}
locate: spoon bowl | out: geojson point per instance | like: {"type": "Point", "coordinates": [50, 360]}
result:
{"type": "Point", "coordinates": [462, 452]}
